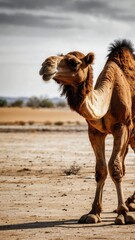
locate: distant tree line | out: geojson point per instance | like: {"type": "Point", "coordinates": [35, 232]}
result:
{"type": "Point", "coordinates": [33, 102]}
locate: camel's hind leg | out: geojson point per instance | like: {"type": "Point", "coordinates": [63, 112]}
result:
{"type": "Point", "coordinates": [132, 138]}
{"type": "Point", "coordinates": [130, 202]}
{"type": "Point", "coordinates": [116, 168]}
{"type": "Point", "coordinates": [97, 140]}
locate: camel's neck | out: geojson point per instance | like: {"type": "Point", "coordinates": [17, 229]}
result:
{"type": "Point", "coordinates": [97, 102]}
{"type": "Point", "coordinates": [76, 94]}
{"type": "Point", "coordinates": [92, 103]}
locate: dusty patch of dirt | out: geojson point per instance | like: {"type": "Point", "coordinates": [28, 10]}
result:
{"type": "Point", "coordinates": [38, 201]}
{"type": "Point", "coordinates": [38, 115]}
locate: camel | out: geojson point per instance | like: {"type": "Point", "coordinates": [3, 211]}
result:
{"type": "Point", "coordinates": [109, 108]}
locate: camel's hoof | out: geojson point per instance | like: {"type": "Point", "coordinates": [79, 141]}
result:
{"type": "Point", "coordinates": [131, 207]}
{"type": "Point", "coordinates": [120, 220]}
{"type": "Point", "coordinates": [89, 218]}
{"type": "Point", "coordinates": [127, 218]}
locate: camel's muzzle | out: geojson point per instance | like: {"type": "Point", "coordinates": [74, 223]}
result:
{"type": "Point", "coordinates": [47, 75]}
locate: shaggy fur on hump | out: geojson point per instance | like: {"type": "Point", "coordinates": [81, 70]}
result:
{"type": "Point", "coordinates": [122, 53]}
{"type": "Point", "coordinates": [118, 45]}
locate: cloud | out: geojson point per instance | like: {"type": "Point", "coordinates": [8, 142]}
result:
{"type": "Point", "coordinates": [107, 9]}
{"type": "Point", "coordinates": [31, 20]}
{"type": "Point", "coordinates": [31, 30]}
{"type": "Point", "coordinates": [45, 14]}
{"type": "Point", "coordinates": [63, 14]}
{"type": "Point", "coordinates": [30, 4]}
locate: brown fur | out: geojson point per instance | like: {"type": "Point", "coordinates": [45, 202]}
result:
{"type": "Point", "coordinates": [107, 108]}
{"type": "Point", "coordinates": [122, 53]}
{"type": "Point", "coordinates": [75, 96]}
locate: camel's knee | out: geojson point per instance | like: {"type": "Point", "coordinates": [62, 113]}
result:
{"type": "Point", "coordinates": [116, 170]}
{"type": "Point", "coordinates": [101, 173]}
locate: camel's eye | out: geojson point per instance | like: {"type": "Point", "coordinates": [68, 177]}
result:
{"type": "Point", "coordinates": [73, 64]}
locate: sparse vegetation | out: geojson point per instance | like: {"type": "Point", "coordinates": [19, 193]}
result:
{"type": "Point", "coordinates": [78, 123]}
{"type": "Point", "coordinates": [32, 102]}
{"type": "Point", "coordinates": [59, 123]}
{"type": "Point", "coordinates": [36, 102]}
{"type": "Point", "coordinates": [3, 102]}
{"type": "Point", "coordinates": [46, 103]}
{"type": "Point", "coordinates": [19, 123]}
{"type": "Point", "coordinates": [61, 104]}
{"type": "Point", "coordinates": [17, 103]}
{"type": "Point", "coordinates": [31, 122]}
{"type": "Point", "coordinates": [72, 170]}
{"type": "Point", "coordinates": [47, 123]}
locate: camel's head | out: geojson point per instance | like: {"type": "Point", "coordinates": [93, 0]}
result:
{"type": "Point", "coordinates": [69, 69]}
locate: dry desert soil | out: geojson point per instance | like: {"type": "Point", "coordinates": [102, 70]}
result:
{"type": "Point", "coordinates": [38, 200]}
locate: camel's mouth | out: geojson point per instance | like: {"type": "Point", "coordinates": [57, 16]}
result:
{"type": "Point", "coordinates": [49, 68]}
{"type": "Point", "coordinates": [48, 76]}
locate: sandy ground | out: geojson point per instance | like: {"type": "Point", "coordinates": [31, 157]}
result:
{"type": "Point", "coordinates": [41, 115]}
{"type": "Point", "coordinates": [38, 201]}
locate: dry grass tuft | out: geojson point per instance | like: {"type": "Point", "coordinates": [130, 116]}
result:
{"type": "Point", "coordinates": [73, 170]}
{"type": "Point", "coordinates": [59, 123]}
{"type": "Point", "coordinates": [47, 123]}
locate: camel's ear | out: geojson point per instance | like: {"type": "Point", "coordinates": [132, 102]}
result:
{"type": "Point", "coordinates": [89, 58]}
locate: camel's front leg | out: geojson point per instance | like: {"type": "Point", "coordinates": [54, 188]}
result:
{"type": "Point", "coordinates": [116, 169]}
{"type": "Point", "coordinates": [97, 140]}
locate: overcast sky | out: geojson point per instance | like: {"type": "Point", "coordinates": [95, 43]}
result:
{"type": "Point", "coordinates": [31, 30]}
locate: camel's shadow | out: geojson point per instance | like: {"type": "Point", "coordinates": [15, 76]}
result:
{"type": "Point", "coordinates": [73, 223]}
{"type": "Point", "coordinates": [30, 225]}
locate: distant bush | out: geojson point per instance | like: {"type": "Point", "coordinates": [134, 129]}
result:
{"type": "Point", "coordinates": [59, 123]}
{"type": "Point", "coordinates": [19, 123]}
{"type": "Point", "coordinates": [35, 102]}
{"type": "Point", "coordinates": [48, 123]}
{"type": "Point", "coordinates": [46, 103]}
{"type": "Point", "coordinates": [31, 122]}
{"type": "Point", "coordinates": [61, 104]}
{"type": "Point", "coordinates": [3, 103]}
{"type": "Point", "coordinates": [17, 103]}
